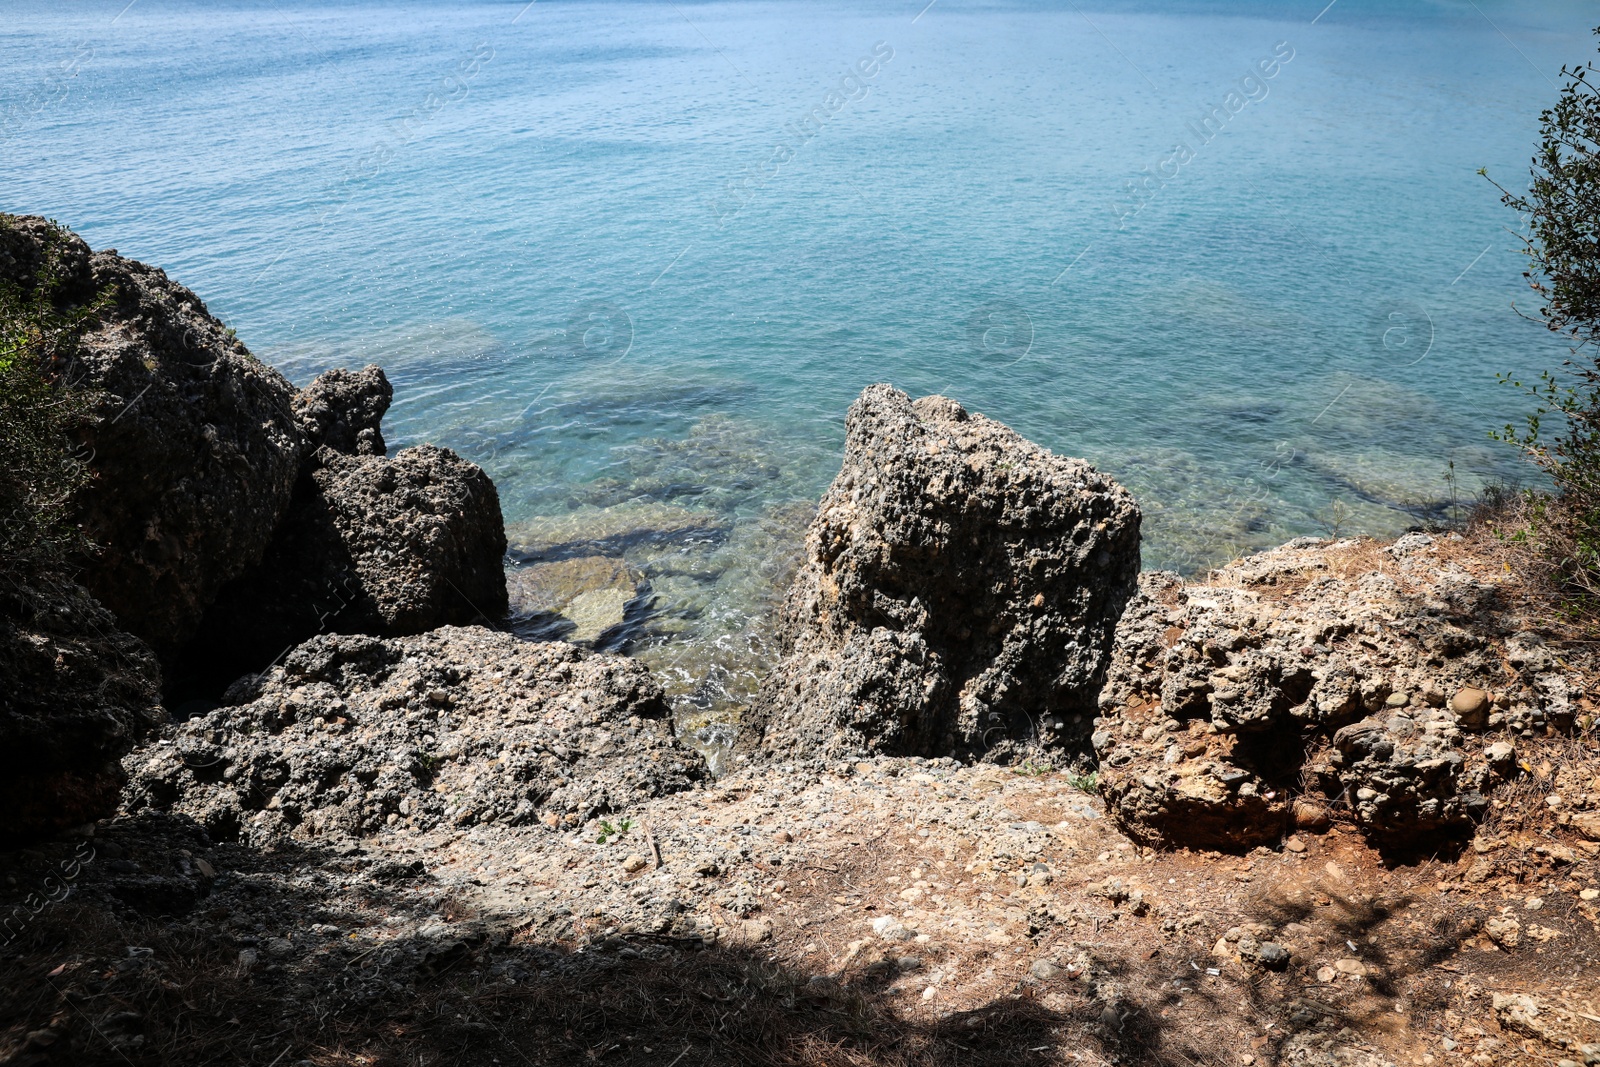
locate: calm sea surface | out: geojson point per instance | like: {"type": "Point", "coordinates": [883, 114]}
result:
{"type": "Point", "coordinates": [637, 258]}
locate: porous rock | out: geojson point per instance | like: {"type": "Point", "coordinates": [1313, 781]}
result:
{"type": "Point", "coordinates": [343, 410]}
{"type": "Point", "coordinates": [460, 726]}
{"type": "Point", "coordinates": [194, 451]}
{"type": "Point", "coordinates": [387, 546]}
{"type": "Point", "coordinates": [78, 693]}
{"type": "Point", "coordinates": [958, 593]}
{"type": "Point", "coordinates": [1307, 668]}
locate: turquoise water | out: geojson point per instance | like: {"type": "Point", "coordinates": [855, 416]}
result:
{"type": "Point", "coordinates": [601, 250]}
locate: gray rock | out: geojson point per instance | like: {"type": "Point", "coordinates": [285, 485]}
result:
{"type": "Point", "coordinates": [195, 450]}
{"type": "Point", "coordinates": [347, 733]}
{"type": "Point", "coordinates": [1217, 691]}
{"type": "Point", "coordinates": [373, 545]}
{"type": "Point", "coordinates": [343, 410]}
{"type": "Point", "coordinates": [1272, 955]}
{"type": "Point", "coordinates": [958, 592]}
{"type": "Point", "coordinates": [78, 693]}
{"type": "Point", "coordinates": [1407, 783]}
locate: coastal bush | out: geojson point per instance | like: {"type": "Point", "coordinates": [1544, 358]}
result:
{"type": "Point", "coordinates": [1562, 212]}
{"type": "Point", "coordinates": [40, 412]}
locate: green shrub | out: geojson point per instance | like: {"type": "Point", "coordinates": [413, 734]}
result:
{"type": "Point", "coordinates": [40, 412]}
{"type": "Point", "coordinates": [1562, 210]}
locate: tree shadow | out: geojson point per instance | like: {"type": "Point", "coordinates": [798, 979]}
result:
{"type": "Point", "coordinates": [173, 950]}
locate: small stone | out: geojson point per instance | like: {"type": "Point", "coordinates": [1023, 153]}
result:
{"type": "Point", "coordinates": [279, 948]}
{"type": "Point", "coordinates": [1311, 816]}
{"type": "Point", "coordinates": [634, 864]}
{"type": "Point", "coordinates": [753, 931]}
{"type": "Point", "coordinates": [1398, 700]}
{"type": "Point", "coordinates": [783, 837]}
{"type": "Point", "coordinates": [1589, 894]}
{"type": "Point", "coordinates": [1044, 970]}
{"type": "Point", "coordinates": [908, 963]}
{"type": "Point", "coordinates": [1349, 965]}
{"type": "Point", "coordinates": [1471, 706]}
{"type": "Point", "coordinates": [1273, 956]}
{"type": "Point", "coordinates": [1326, 974]}
{"type": "Point", "coordinates": [1294, 844]}
{"type": "Point", "coordinates": [1554, 801]}
{"type": "Point", "coordinates": [1533, 903]}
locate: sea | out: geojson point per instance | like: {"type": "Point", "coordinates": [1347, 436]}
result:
{"type": "Point", "coordinates": [637, 258]}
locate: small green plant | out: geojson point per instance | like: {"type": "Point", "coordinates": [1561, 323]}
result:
{"type": "Point", "coordinates": [1085, 781]}
{"type": "Point", "coordinates": [609, 832]}
{"type": "Point", "coordinates": [1334, 517]}
{"type": "Point", "coordinates": [1030, 769]}
{"type": "Point", "coordinates": [40, 411]}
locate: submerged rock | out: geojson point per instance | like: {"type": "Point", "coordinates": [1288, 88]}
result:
{"type": "Point", "coordinates": [1327, 677]}
{"type": "Point", "coordinates": [610, 531]}
{"type": "Point", "coordinates": [78, 693]}
{"type": "Point", "coordinates": [458, 726]}
{"type": "Point", "coordinates": [958, 593]}
{"type": "Point", "coordinates": [580, 599]}
{"type": "Point", "coordinates": [195, 450]}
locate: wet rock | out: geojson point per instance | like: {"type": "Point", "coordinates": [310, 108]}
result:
{"type": "Point", "coordinates": [347, 735]}
{"type": "Point", "coordinates": [78, 693]}
{"type": "Point", "coordinates": [610, 531]}
{"type": "Point", "coordinates": [581, 599]}
{"type": "Point", "coordinates": [373, 545]}
{"type": "Point", "coordinates": [195, 450]}
{"type": "Point", "coordinates": [957, 595]}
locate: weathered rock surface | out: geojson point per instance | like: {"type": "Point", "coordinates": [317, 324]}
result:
{"type": "Point", "coordinates": [78, 693]}
{"type": "Point", "coordinates": [343, 410]}
{"type": "Point", "coordinates": [371, 544]}
{"type": "Point", "coordinates": [958, 593]}
{"type": "Point", "coordinates": [195, 452]}
{"type": "Point", "coordinates": [1334, 672]}
{"type": "Point", "coordinates": [459, 726]}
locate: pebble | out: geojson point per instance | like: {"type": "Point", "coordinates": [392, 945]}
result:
{"type": "Point", "coordinates": [1350, 966]}
{"type": "Point", "coordinates": [1294, 844]}
{"type": "Point", "coordinates": [1470, 702]}
{"type": "Point", "coordinates": [634, 864]}
{"type": "Point", "coordinates": [1273, 955]}
{"type": "Point", "coordinates": [1044, 970]}
{"type": "Point", "coordinates": [1589, 894]}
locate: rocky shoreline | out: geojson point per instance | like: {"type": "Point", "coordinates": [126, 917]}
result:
{"type": "Point", "coordinates": [304, 712]}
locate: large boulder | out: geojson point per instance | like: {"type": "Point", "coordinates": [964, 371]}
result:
{"type": "Point", "coordinates": [1317, 680]}
{"type": "Point", "coordinates": [371, 545]}
{"type": "Point", "coordinates": [78, 693]}
{"type": "Point", "coordinates": [958, 593]}
{"type": "Point", "coordinates": [195, 449]}
{"type": "Point", "coordinates": [456, 727]}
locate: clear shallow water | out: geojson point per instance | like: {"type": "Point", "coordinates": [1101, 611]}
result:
{"type": "Point", "coordinates": [526, 214]}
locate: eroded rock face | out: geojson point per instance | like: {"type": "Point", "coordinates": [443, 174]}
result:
{"type": "Point", "coordinates": [387, 546]}
{"type": "Point", "coordinates": [195, 453]}
{"type": "Point", "coordinates": [78, 693]}
{"type": "Point", "coordinates": [458, 726]}
{"type": "Point", "coordinates": [1342, 675]}
{"type": "Point", "coordinates": [958, 593]}
{"type": "Point", "coordinates": [343, 410]}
